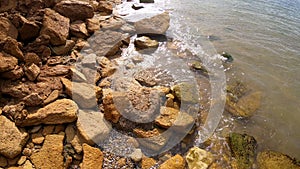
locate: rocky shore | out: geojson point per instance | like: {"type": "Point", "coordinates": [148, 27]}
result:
{"type": "Point", "coordinates": [64, 94]}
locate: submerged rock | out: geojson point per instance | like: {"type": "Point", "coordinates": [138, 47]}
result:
{"type": "Point", "coordinates": [92, 157]}
{"type": "Point", "coordinates": [158, 24]}
{"type": "Point", "coordinates": [276, 160]}
{"type": "Point", "coordinates": [243, 148]}
{"type": "Point", "coordinates": [175, 162]}
{"type": "Point", "coordinates": [198, 158]}
{"type": "Point", "coordinates": [186, 92]}
{"type": "Point", "coordinates": [12, 139]}
{"type": "Point", "coordinates": [227, 56]}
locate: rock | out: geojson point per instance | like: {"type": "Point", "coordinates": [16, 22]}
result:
{"type": "Point", "coordinates": [107, 68]}
{"type": "Point", "coordinates": [92, 157]}
{"type": "Point", "coordinates": [7, 62]}
{"type": "Point", "coordinates": [37, 138]}
{"type": "Point", "coordinates": [7, 5]}
{"type": "Point", "coordinates": [14, 74]}
{"type": "Point", "coordinates": [56, 27]}
{"type": "Point", "coordinates": [186, 92]}
{"type": "Point", "coordinates": [32, 58]}
{"type": "Point", "coordinates": [198, 158]}
{"type": "Point", "coordinates": [198, 66]}
{"type": "Point", "coordinates": [77, 144]}
{"type": "Point", "coordinates": [75, 10]}
{"type": "Point", "coordinates": [145, 42]}
{"type": "Point", "coordinates": [15, 111]}
{"type": "Point", "coordinates": [175, 162]}
{"type": "Point", "coordinates": [243, 148]}
{"type": "Point", "coordinates": [12, 47]}
{"type": "Point", "coordinates": [52, 97]}
{"type": "Point", "coordinates": [136, 155]}
{"type": "Point", "coordinates": [84, 95]}
{"type": "Point", "coordinates": [67, 85]}
{"type": "Point", "coordinates": [137, 6]}
{"type": "Point", "coordinates": [58, 112]}
{"type": "Point", "coordinates": [79, 30]}
{"type": "Point", "coordinates": [12, 139]}
{"type": "Point", "coordinates": [7, 29]}
{"type": "Point", "coordinates": [28, 30]}
{"type": "Point", "coordinates": [275, 160]}
{"type": "Point", "coordinates": [54, 71]}
{"type": "Point", "coordinates": [32, 72]}
{"type": "Point", "coordinates": [50, 155]}
{"type": "Point", "coordinates": [110, 111]}
{"type": "Point", "coordinates": [47, 130]}
{"type": "Point", "coordinates": [27, 165]}
{"type": "Point", "coordinates": [146, 1]}
{"type": "Point", "coordinates": [227, 56]}
{"type": "Point", "coordinates": [245, 106]}
{"type": "Point", "coordinates": [92, 126]}
{"type": "Point", "coordinates": [70, 133]}
{"type": "Point", "coordinates": [22, 160]}
{"type": "Point", "coordinates": [105, 7]}
{"type": "Point", "coordinates": [158, 24]}
{"type": "Point", "coordinates": [32, 100]}
{"type": "Point", "coordinates": [147, 163]}
{"type": "Point", "coordinates": [3, 161]}
{"type": "Point", "coordinates": [93, 25]}
{"type": "Point", "coordinates": [41, 46]}
{"type": "Point", "coordinates": [112, 24]}
{"type": "Point", "coordinates": [63, 49]}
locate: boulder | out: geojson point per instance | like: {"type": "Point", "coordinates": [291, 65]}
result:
{"type": "Point", "coordinates": [198, 158]}
{"type": "Point", "coordinates": [175, 162]}
{"type": "Point", "coordinates": [243, 148]}
{"type": "Point", "coordinates": [158, 24]}
{"type": "Point", "coordinates": [79, 30]}
{"type": "Point", "coordinates": [145, 42]}
{"type": "Point", "coordinates": [92, 126]}
{"type": "Point", "coordinates": [50, 155]}
{"type": "Point", "coordinates": [75, 10]}
{"type": "Point", "coordinates": [7, 29]}
{"type": "Point", "coordinates": [12, 139]}
{"type": "Point", "coordinates": [12, 47]}
{"type": "Point", "coordinates": [56, 27]}
{"type": "Point", "coordinates": [276, 160]}
{"type": "Point", "coordinates": [92, 157]}
{"type": "Point", "coordinates": [58, 112]}
{"type": "Point", "coordinates": [7, 62]}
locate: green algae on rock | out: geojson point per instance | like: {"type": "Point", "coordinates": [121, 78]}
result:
{"type": "Point", "coordinates": [243, 148]}
{"type": "Point", "coordinates": [186, 92]}
{"type": "Point", "coordinates": [276, 160]}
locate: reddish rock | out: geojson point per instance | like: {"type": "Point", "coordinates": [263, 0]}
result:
{"type": "Point", "coordinates": [63, 49]}
{"type": "Point", "coordinates": [7, 29]}
{"type": "Point", "coordinates": [27, 29]}
{"type": "Point", "coordinates": [105, 7]}
{"type": "Point", "coordinates": [175, 162]}
{"type": "Point", "coordinates": [40, 47]}
{"type": "Point", "coordinates": [78, 29]}
{"type": "Point", "coordinates": [12, 47]}
{"type": "Point", "coordinates": [75, 10]}
{"type": "Point", "coordinates": [7, 62]}
{"type": "Point", "coordinates": [14, 74]}
{"type": "Point", "coordinates": [58, 70]}
{"type": "Point", "coordinates": [31, 58]}
{"type": "Point", "coordinates": [93, 24]}
{"type": "Point", "coordinates": [33, 100]}
{"type": "Point", "coordinates": [56, 27]}
{"type": "Point", "coordinates": [32, 72]}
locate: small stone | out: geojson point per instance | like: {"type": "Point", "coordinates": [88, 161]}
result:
{"type": "Point", "coordinates": [33, 100]}
{"type": "Point", "coordinates": [27, 165]}
{"type": "Point", "coordinates": [58, 112]}
{"type": "Point", "coordinates": [47, 130]}
{"type": "Point", "coordinates": [3, 161]}
{"type": "Point", "coordinates": [93, 25]}
{"type": "Point", "coordinates": [7, 28]}
{"type": "Point", "coordinates": [7, 62]}
{"type": "Point", "coordinates": [106, 66]}
{"type": "Point", "coordinates": [31, 58]}
{"type": "Point", "coordinates": [105, 7]}
{"type": "Point", "coordinates": [37, 138]}
{"type": "Point", "coordinates": [70, 133]}
{"type": "Point", "coordinates": [50, 155]}
{"type": "Point", "coordinates": [75, 10]}
{"type": "Point", "coordinates": [28, 30]}
{"type": "Point", "coordinates": [32, 72]}
{"type": "Point", "coordinates": [77, 144]}
{"type": "Point", "coordinates": [136, 155]}
{"type": "Point", "coordinates": [275, 160]}
{"type": "Point", "coordinates": [56, 27]}
{"type": "Point", "coordinates": [92, 157]}
{"type": "Point", "coordinates": [198, 158]}
{"type": "Point", "coordinates": [79, 30]}
{"type": "Point", "coordinates": [27, 152]}
{"type": "Point", "coordinates": [12, 47]}
{"type": "Point", "coordinates": [145, 42]}
{"type": "Point", "coordinates": [11, 138]}
{"type": "Point", "coordinates": [158, 24]}
{"type": "Point", "coordinates": [35, 129]}
{"type": "Point", "coordinates": [122, 162]}
{"type": "Point", "coordinates": [52, 97]}
{"type": "Point", "coordinates": [147, 162]}
{"type": "Point", "coordinates": [63, 49]}
{"type": "Point", "coordinates": [175, 162]}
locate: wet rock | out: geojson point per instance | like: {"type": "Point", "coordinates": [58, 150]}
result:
{"type": "Point", "coordinates": [7, 62]}
{"type": "Point", "coordinates": [75, 10]}
{"type": "Point", "coordinates": [92, 126]}
{"type": "Point", "coordinates": [275, 160]}
{"type": "Point", "coordinates": [32, 58]}
{"type": "Point", "coordinates": [63, 49]}
{"type": "Point", "coordinates": [245, 106]}
{"type": "Point", "coordinates": [56, 27]}
{"type": "Point", "coordinates": [33, 99]}
{"type": "Point", "coordinates": [27, 29]}
{"type": "Point", "coordinates": [105, 7]}
{"type": "Point", "coordinates": [158, 24]}
{"type": "Point", "coordinates": [12, 47]}
{"type": "Point", "coordinates": [7, 5]}
{"type": "Point", "coordinates": [50, 155]}
{"type": "Point", "coordinates": [12, 139]}
{"type": "Point", "coordinates": [198, 158]}
{"type": "Point", "coordinates": [147, 163]}
{"type": "Point", "coordinates": [58, 112]}
{"type": "Point", "coordinates": [137, 6]}
{"type": "Point", "coordinates": [85, 95]}
{"type": "Point", "coordinates": [32, 71]}
{"type": "Point", "coordinates": [227, 56]}
{"type": "Point", "coordinates": [145, 42]}
{"type": "Point", "coordinates": [243, 148]}
{"type": "Point", "coordinates": [79, 30]}
{"type": "Point", "coordinates": [92, 157]}
{"type": "Point", "coordinates": [186, 92]}
{"type": "Point", "coordinates": [14, 74]}
{"type": "Point", "coordinates": [7, 29]}
{"type": "Point", "coordinates": [175, 162]}
{"type": "Point", "coordinates": [198, 66]}
{"type": "Point", "coordinates": [93, 25]}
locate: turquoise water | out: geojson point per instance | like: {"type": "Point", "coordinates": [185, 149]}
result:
{"type": "Point", "coordinates": [264, 38]}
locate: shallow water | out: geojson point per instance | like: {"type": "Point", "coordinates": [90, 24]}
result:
{"type": "Point", "coordinates": [264, 38]}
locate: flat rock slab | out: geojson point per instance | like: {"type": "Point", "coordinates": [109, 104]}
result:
{"type": "Point", "coordinates": [158, 24]}
{"type": "Point", "coordinates": [92, 157]}
{"type": "Point", "coordinates": [58, 112]}
{"type": "Point", "coordinates": [11, 138]}
{"type": "Point", "coordinates": [50, 155]}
